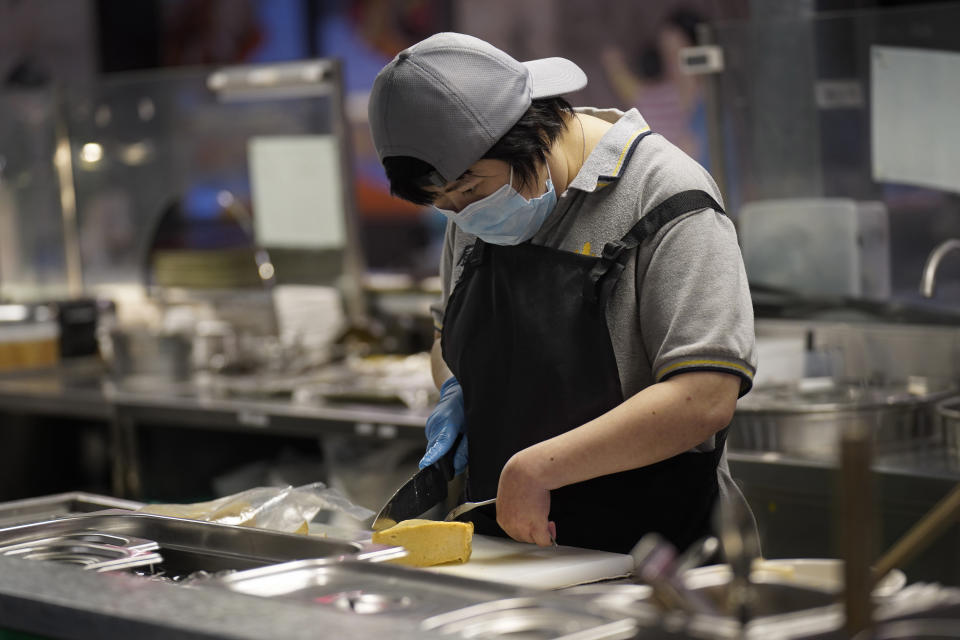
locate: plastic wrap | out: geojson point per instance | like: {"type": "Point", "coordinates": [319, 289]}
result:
{"type": "Point", "coordinates": [289, 509]}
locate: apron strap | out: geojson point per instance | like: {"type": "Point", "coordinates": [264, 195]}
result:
{"type": "Point", "coordinates": [720, 439]}
{"type": "Point", "coordinates": [615, 255]}
{"type": "Point", "coordinates": [474, 254]}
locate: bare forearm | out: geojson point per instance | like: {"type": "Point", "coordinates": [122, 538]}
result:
{"type": "Point", "coordinates": [661, 421]}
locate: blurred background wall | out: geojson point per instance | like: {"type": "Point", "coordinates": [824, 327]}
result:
{"type": "Point", "coordinates": [628, 50]}
{"type": "Point", "coordinates": [73, 42]}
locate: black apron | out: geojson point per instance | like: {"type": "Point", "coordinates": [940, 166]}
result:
{"type": "Point", "coordinates": [525, 333]}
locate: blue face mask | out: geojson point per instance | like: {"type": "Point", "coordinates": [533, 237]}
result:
{"type": "Point", "coordinates": [505, 217]}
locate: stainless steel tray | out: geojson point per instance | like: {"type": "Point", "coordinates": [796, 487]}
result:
{"type": "Point", "coordinates": [58, 505]}
{"type": "Point", "coordinates": [190, 546]}
{"type": "Point", "coordinates": [92, 551]}
{"type": "Point", "coordinates": [364, 588]}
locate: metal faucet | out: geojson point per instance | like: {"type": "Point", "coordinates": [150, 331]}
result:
{"type": "Point", "coordinates": [657, 564]}
{"type": "Point", "coordinates": [740, 542]}
{"type": "Point", "coordinates": [928, 280]}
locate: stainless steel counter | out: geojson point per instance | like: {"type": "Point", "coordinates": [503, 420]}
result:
{"type": "Point", "coordinates": [792, 497]}
{"type": "Point", "coordinates": [82, 389]}
{"type": "Point", "coordinates": [63, 602]}
{"type": "Point", "coordinates": [923, 462]}
{"type": "Point", "coordinates": [76, 390]}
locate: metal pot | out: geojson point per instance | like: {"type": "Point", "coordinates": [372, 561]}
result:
{"type": "Point", "coordinates": [948, 419]}
{"type": "Point", "coordinates": [215, 346]}
{"type": "Point", "coordinates": [807, 418]}
{"type": "Point", "coordinates": [140, 352]}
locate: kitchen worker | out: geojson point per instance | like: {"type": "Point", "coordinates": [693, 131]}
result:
{"type": "Point", "coordinates": [596, 327]}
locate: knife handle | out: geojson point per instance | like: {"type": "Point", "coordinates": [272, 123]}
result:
{"type": "Point", "coordinates": [445, 463]}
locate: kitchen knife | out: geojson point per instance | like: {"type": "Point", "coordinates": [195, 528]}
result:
{"type": "Point", "coordinates": [459, 510]}
{"type": "Point", "coordinates": [424, 490]}
{"type": "Point", "coordinates": [465, 507]}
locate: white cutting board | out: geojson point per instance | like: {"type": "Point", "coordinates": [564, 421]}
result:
{"type": "Point", "coordinates": [518, 563]}
{"type": "Point", "coordinates": [527, 565]}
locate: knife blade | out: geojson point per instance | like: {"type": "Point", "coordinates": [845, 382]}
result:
{"type": "Point", "coordinates": [424, 490]}
{"type": "Point", "coordinates": [465, 507]}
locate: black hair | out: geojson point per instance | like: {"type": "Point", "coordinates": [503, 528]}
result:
{"type": "Point", "coordinates": [685, 20]}
{"type": "Point", "coordinates": [522, 147]}
{"type": "Point", "coordinates": [650, 63]}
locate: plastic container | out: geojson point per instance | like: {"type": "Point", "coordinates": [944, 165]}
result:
{"type": "Point", "coordinates": [33, 345]}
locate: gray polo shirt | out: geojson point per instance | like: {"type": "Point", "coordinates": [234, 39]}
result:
{"type": "Point", "coordinates": [683, 302]}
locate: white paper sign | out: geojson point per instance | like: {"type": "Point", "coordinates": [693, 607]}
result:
{"type": "Point", "coordinates": [916, 116]}
{"type": "Point", "coordinates": [297, 191]}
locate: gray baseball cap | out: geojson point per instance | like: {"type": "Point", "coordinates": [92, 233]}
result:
{"type": "Point", "coordinates": [447, 99]}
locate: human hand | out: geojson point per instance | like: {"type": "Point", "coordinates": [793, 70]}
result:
{"type": "Point", "coordinates": [443, 425]}
{"type": "Point", "coordinates": [523, 503]}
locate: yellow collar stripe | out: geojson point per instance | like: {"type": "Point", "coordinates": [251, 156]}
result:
{"type": "Point", "coordinates": [706, 363]}
{"type": "Point", "coordinates": [626, 147]}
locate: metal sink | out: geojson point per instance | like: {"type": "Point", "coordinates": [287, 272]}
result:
{"type": "Point", "coordinates": [769, 598]}
{"type": "Point", "coordinates": [773, 598]}
{"type": "Point", "coordinates": [190, 546]}
{"type": "Point", "coordinates": [541, 617]}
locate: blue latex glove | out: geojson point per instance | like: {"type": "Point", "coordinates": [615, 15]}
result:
{"type": "Point", "coordinates": [444, 424]}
